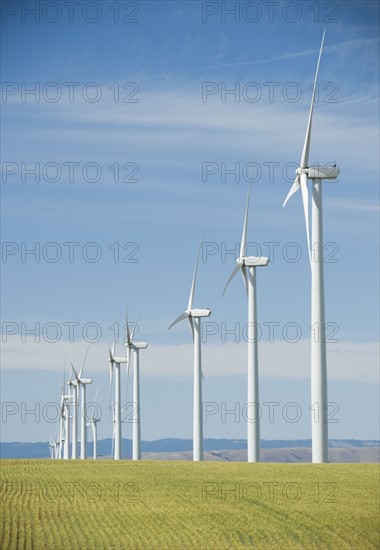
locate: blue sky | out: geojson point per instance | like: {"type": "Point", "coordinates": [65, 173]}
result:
{"type": "Point", "coordinates": [160, 129]}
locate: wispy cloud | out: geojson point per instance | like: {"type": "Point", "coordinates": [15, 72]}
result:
{"type": "Point", "coordinates": [341, 46]}
{"type": "Point", "coordinates": [281, 360]}
{"type": "Point", "coordinates": [358, 205]}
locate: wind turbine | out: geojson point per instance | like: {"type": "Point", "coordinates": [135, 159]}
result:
{"type": "Point", "coordinates": [93, 425]}
{"type": "Point", "coordinates": [194, 316]}
{"type": "Point", "coordinates": [65, 413]}
{"type": "Point", "coordinates": [316, 174]}
{"type": "Point", "coordinates": [62, 421]}
{"type": "Point", "coordinates": [61, 434]}
{"type": "Point", "coordinates": [247, 265]}
{"type": "Point", "coordinates": [52, 447]}
{"type": "Point", "coordinates": [116, 361]}
{"type": "Point", "coordinates": [135, 346]}
{"type": "Point", "coordinates": [57, 443]}
{"type": "Point", "coordinates": [74, 445]}
{"type": "Point", "coordinates": [82, 382]}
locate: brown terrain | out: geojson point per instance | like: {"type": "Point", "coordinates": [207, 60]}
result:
{"type": "Point", "coordinates": [337, 454]}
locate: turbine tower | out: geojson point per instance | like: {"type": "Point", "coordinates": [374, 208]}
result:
{"type": "Point", "coordinates": [61, 435]}
{"type": "Point", "coordinates": [135, 347]}
{"type": "Point", "coordinates": [82, 383]}
{"type": "Point", "coordinates": [116, 361]}
{"type": "Point", "coordinates": [65, 413]}
{"type": "Point", "coordinates": [316, 174]}
{"type": "Point", "coordinates": [194, 315]}
{"type": "Point", "coordinates": [247, 265]}
{"type": "Point", "coordinates": [93, 425]}
{"type": "Point", "coordinates": [74, 445]}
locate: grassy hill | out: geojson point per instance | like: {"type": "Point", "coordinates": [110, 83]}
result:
{"type": "Point", "coordinates": [49, 504]}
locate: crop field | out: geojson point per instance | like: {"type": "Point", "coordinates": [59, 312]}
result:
{"type": "Point", "coordinates": [51, 504]}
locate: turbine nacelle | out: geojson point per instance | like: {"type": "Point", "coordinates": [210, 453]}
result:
{"type": "Point", "coordinates": [253, 261]}
{"type": "Point", "coordinates": [118, 360]}
{"type": "Point", "coordinates": [86, 381]}
{"type": "Point", "coordinates": [196, 312]}
{"type": "Point", "coordinates": [137, 345]}
{"type": "Point", "coordinates": [323, 172]}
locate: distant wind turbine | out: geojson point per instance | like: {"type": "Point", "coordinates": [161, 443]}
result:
{"type": "Point", "coordinates": [57, 442]}
{"type": "Point", "coordinates": [52, 447]}
{"type": "Point", "coordinates": [82, 383]}
{"type": "Point", "coordinates": [247, 265]}
{"type": "Point", "coordinates": [135, 346]}
{"type": "Point", "coordinates": [65, 412]}
{"type": "Point", "coordinates": [64, 426]}
{"type": "Point", "coordinates": [93, 425]}
{"type": "Point", "coordinates": [316, 174]}
{"type": "Point", "coordinates": [115, 362]}
{"type": "Point", "coordinates": [194, 316]}
{"type": "Point", "coordinates": [73, 386]}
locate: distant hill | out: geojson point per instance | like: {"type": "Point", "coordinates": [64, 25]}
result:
{"type": "Point", "coordinates": [293, 454]}
{"type": "Point", "coordinates": [297, 450]}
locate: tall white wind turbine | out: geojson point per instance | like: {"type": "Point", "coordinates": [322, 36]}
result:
{"type": "Point", "coordinates": [194, 316]}
{"type": "Point", "coordinates": [115, 363]}
{"type": "Point", "coordinates": [135, 346]}
{"type": "Point", "coordinates": [82, 383]}
{"type": "Point", "coordinates": [93, 425]}
{"type": "Point", "coordinates": [316, 174]}
{"type": "Point", "coordinates": [247, 265]}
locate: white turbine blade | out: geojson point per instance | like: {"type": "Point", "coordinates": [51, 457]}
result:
{"type": "Point", "coordinates": [236, 269]}
{"type": "Point", "coordinates": [127, 327]}
{"type": "Point", "coordinates": [305, 201]}
{"type": "Point", "coordinates": [180, 318]}
{"type": "Point", "coordinates": [84, 360]}
{"type": "Point", "coordinates": [245, 279]}
{"type": "Point", "coordinates": [306, 146]}
{"type": "Point", "coordinates": [111, 379]}
{"type": "Point", "coordinates": [110, 355]}
{"type": "Point", "coordinates": [93, 408]}
{"type": "Point", "coordinates": [75, 373]}
{"type": "Point", "coordinates": [191, 326]}
{"type": "Point", "coordinates": [127, 383]}
{"type": "Point", "coordinates": [191, 297]}
{"type": "Point", "coordinates": [64, 373]}
{"type": "Point", "coordinates": [294, 188]}
{"type": "Point", "coordinates": [128, 354]}
{"type": "Point", "coordinates": [134, 327]}
{"type": "Point", "coordinates": [244, 235]}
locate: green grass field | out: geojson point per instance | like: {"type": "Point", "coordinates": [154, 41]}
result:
{"type": "Point", "coordinates": [183, 505]}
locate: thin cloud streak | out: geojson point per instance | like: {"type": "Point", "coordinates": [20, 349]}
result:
{"type": "Point", "coordinates": [293, 55]}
